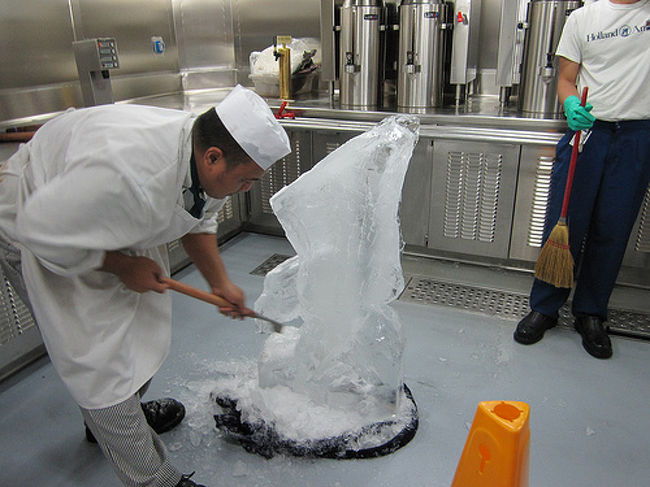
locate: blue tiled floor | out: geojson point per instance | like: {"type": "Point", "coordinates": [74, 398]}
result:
{"type": "Point", "coordinates": [590, 423]}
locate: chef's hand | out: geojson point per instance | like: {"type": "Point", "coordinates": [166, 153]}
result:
{"type": "Point", "coordinates": [139, 274]}
{"type": "Point", "coordinates": [235, 295]}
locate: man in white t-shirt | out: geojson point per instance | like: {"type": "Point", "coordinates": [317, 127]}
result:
{"type": "Point", "coordinates": [605, 46]}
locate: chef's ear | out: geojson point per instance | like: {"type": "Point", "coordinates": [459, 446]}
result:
{"type": "Point", "coordinates": [214, 154]}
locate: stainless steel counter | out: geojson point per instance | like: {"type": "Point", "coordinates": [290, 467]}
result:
{"type": "Point", "coordinates": [481, 112]}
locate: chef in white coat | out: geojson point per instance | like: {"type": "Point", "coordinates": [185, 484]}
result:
{"type": "Point", "coordinates": [86, 208]}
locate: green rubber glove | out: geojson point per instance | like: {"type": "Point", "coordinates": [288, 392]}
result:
{"type": "Point", "coordinates": [578, 116]}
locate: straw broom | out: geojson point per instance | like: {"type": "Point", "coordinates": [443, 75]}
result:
{"type": "Point", "coordinates": [555, 262]}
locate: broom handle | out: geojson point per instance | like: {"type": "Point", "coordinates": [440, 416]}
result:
{"type": "Point", "coordinates": [572, 165]}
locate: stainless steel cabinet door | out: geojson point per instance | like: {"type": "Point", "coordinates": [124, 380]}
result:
{"type": "Point", "coordinates": [324, 142]}
{"type": "Point", "coordinates": [638, 247]}
{"type": "Point", "coordinates": [416, 194]}
{"type": "Point", "coordinates": [535, 170]}
{"type": "Point", "coordinates": [472, 197]}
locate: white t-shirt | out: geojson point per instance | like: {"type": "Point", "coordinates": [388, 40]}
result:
{"type": "Point", "coordinates": [611, 42]}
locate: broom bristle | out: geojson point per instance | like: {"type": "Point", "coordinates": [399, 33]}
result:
{"type": "Point", "coordinates": [555, 262]}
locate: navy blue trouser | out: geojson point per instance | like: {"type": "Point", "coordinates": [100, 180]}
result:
{"type": "Point", "coordinates": [611, 178]}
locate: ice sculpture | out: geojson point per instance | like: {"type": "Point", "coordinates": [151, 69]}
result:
{"type": "Point", "coordinates": [345, 360]}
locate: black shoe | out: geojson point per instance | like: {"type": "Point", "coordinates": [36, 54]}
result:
{"type": "Point", "coordinates": [186, 482]}
{"type": "Point", "coordinates": [532, 327]}
{"type": "Point", "coordinates": [594, 336]}
{"type": "Point", "coordinates": [162, 415]}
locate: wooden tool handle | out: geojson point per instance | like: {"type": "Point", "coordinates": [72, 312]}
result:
{"type": "Point", "coordinates": [16, 136]}
{"type": "Point", "coordinates": [214, 299]}
{"type": "Point", "coordinates": [572, 164]}
{"type": "Point", "coordinates": [197, 293]}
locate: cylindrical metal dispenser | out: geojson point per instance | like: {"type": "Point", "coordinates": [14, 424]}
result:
{"type": "Point", "coordinates": [538, 87]}
{"type": "Point", "coordinates": [420, 79]}
{"type": "Point", "coordinates": [359, 63]}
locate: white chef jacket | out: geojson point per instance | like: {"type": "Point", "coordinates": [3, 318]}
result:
{"type": "Point", "coordinates": [92, 180]}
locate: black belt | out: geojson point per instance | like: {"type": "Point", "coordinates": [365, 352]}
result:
{"type": "Point", "coordinates": [622, 124]}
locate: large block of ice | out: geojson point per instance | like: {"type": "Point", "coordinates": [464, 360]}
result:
{"type": "Point", "coordinates": [342, 219]}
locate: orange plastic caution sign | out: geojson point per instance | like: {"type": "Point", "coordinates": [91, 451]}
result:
{"type": "Point", "coordinates": [497, 449]}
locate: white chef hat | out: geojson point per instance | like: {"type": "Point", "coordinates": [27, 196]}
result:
{"type": "Point", "coordinates": [252, 124]}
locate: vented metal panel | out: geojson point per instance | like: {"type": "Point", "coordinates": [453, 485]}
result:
{"type": "Point", "coordinates": [269, 264]}
{"type": "Point", "coordinates": [20, 339]}
{"type": "Point", "coordinates": [227, 212]}
{"type": "Point", "coordinates": [472, 197]}
{"type": "Point", "coordinates": [540, 200]}
{"type": "Point", "coordinates": [282, 173]}
{"type": "Point", "coordinates": [279, 175]}
{"type": "Point", "coordinates": [509, 305]}
{"type": "Point", "coordinates": [534, 184]}
{"type": "Point", "coordinates": [642, 240]}
{"type": "Point", "coordinates": [15, 318]}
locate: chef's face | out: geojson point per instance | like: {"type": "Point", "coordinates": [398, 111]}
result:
{"type": "Point", "coordinates": [219, 180]}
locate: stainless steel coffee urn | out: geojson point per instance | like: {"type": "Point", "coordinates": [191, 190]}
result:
{"type": "Point", "coordinates": [360, 47]}
{"type": "Point", "coordinates": [539, 72]}
{"type": "Point", "coordinates": [420, 78]}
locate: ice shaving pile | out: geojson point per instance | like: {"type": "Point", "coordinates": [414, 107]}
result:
{"type": "Point", "coordinates": [333, 385]}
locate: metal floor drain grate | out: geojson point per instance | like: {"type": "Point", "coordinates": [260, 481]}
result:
{"type": "Point", "coordinates": [269, 264]}
{"type": "Point", "coordinates": [509, 305]}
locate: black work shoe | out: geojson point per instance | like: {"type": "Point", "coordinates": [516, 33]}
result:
{"type": "Point", "coordinates": [162, 415]}
{"type": "Point", "coordinates": [532, 327]}
{"type": "Point", "coordinates": [186, 482]}
{"type": "Point", "coordinates": [594, 336]}
{"type": "Point", "coordinates": [90, 438]}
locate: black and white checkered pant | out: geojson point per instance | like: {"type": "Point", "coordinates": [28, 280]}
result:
{"type": "Point", "coordinates": [135, 452]}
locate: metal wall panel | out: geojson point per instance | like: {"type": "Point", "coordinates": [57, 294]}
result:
{"type": "Point", "coordinates": [489, 33]}
{"type": "Point", "coordinates": [132, 23]}
{"type": "Point", "coordinates": [204, 30]}
{"type": "Point", "coordinates": [36, 39]}
{"type": "Point", "coordinates": [257, 21]}
{"type": "Point", "coordinates": [38, 74]}
{"type": "Point", "coordinates": [205, 33]}
{"type": "Point", "coordinates": [472, 197]}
